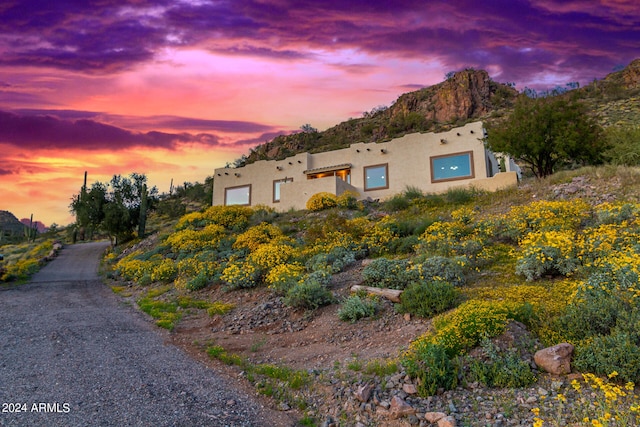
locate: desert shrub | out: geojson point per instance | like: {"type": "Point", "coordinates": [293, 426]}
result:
{"type": "Point", "coordinates": [398, 202]}
{"type": "Point", "coordinates": [547, 253]}
{"type": "Point", "coordinates": [412, 226]}
{"type": "Point", "coordinates": [465, 327]}
{"type": "Point", "coordinates": [348, 200]}
{"type": "Point", "coordinates": [600, 304]}
{"type": "Point", "coordinates": [430, 364]}
{"type": "Point", "coordinates": [309, 295]}
{"type": "Point", "coordinates": [134, 269]}
{"type": "Point", "coordinates": [20, 270]}
{"type": "Point", "coordinates": [357, 307]}
{"type": "Point", "coordinates": [164, 271]}
{"type": "Point", "coordinates": [230, 217]}
{"type": "Point", "coordinates": [269, 255]}
{"type": "Point", "coordinates": [239, 274]}
{"type": "Point", "coordinates": [200, 281]}
{"type": "Point", "coordinates": [378, 239]}
{"type": "Point", "coordinates": [545, 216]}
{"type": "Point", "coordinates": [337, 259]}
{"type": "Point", "coordinates": [441, 269]}
{"type": "Point", "coordinates": [499, 368]}
{"type": "Point", "coordinates": [188, 240]}
{"type": "Point", "coordinates": [426, 299]}
{"type": "Point", "coordinates": [403, 245]}
{"type": "Point", "coordinates": [459, 237]}
{"type": "Point", "coordinates": [387, 273]}
{"type": "Point", "coordinates": [616, 213]}
{"type": "Point", "coordinates": [460, 196]}
{"type": "Point", "coordinates": [321, 201]}
{"type": "Point", "coordinates": [619, 352]}
{"type": "Point", "coordinates": [283, 277]}
{"type": "Point", "coordinates": [256, 236]}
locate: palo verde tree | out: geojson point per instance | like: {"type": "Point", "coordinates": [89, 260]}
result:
{"type": "Point", "coordinates": [117, 207]}
{"type": "Point", "coordinates": [546, 133]}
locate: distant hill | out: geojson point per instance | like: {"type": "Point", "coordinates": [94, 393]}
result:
{"type": "Point", "coordinates": [37, 225]}
{"type": "Point", "coordinates": [464, 96]}
{"type": "Point", "coordinates": [10, 228]}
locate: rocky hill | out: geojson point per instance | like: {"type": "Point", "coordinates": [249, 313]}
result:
{"type": "Point", "coordinates": [465, 96]}
{"type": "Point", "coordinates": [10, 227]}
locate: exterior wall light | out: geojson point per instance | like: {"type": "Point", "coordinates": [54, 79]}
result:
{"type": "Point", "coordinates": [443, 141]}
{"type": "Point", "coordinates": [279, 168]}
{"type": "Point", "coordinates": [383, 151]}
{"type": "Point", "coordinates": [237, 174]}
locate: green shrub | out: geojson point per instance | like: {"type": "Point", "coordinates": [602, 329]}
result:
{"type": "Point", "coordinates": [432, 366]}
{"type": "Point", "coordinates": [388, 273]}
{"type": "Point", "coordinates": [500, 368]}
{"type": "Point", "coordinates": [337, 259]}
{"type": "Point", "coordinates": [619, 352]}
{"type": "Point", "coordinates": [426, 299]}
{"type": "Point", "coordinates": [441, 268]}
{"type": "Point", "coordinates": [309, 295]}
{"type": "Point", "coordinates": [356, 307]}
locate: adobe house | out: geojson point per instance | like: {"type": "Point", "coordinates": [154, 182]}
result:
{"type": "Point", "coordinates": [432, 162]}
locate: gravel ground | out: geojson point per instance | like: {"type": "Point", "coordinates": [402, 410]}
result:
{"type": "Point", "coordinates": [72, 355]}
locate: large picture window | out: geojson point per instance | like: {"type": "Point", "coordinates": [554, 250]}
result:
{"type": "Point", "coordinates": [237, 195]}
{"type": "Point", "coordinates": [452, 167]}
{"type": "Point", "coordinates": [276, 188]}
{"type": "Point", "coordinates": [376, 177]}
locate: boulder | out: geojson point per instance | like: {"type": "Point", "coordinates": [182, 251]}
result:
{"type": "Point", "coordinates": [364, 392]}
{"type": "Point", "coordinates": [555, 360]}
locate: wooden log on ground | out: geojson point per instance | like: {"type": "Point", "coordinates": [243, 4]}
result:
{"type": "Point", "coordinates": [390, 294]}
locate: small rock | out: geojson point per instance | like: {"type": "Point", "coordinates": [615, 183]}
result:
{"type": "Point", "coordinates": [409, 388]}
{"type": "Point", "coordinates": [364, 392]}
{"type": "Point", "coordinates": [434, 417]}
{"type": "Point", "coordinates": [399, 408]}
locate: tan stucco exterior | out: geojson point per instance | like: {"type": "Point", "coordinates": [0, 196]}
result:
{"type": "Point", "coordinates": [397, 164]}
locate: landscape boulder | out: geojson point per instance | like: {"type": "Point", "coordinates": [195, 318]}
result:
{"type": "Point", "coordinates": [399, 408]}
{"type": "Point", "coordinates": [555, 360]}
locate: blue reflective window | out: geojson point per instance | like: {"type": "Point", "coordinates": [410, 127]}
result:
{"type": "Point", "coordinates": [457, 166]}
{"type": "Point", "coordinates": [376, 177]}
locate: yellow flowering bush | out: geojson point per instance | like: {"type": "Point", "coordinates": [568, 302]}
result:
{"type": "Point", "coordinates": [256, 236]}
{"type": "Point", "coordinates": [283, 277]}
{"type": "Point", "coordinates": [20, 269]}
{"type": "Point", "coordinates": [164, 271]}
{"type": "Point", "coordinates": [189, 240]}
{"type": "Point", "coordinates": [463, 328]}
{"type": "Point", "coordinates": [229, 217]}
{"type": "Point", "coordinates": [239, 274]}
{"type": "Point", "coordinates": [545, 215]}
{"type": "Point", "coordinates": [269, 255]}
{"type": "Point", "coordinates": [321, 201]}
{"type": "Point", "coordinates": [547, 253]}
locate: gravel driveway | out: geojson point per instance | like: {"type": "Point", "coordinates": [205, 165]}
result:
{"type": "Point", "coordinates": [72, 355]}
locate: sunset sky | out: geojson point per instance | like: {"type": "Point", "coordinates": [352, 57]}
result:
{"type": "Point", "coordinates": [176, 88]}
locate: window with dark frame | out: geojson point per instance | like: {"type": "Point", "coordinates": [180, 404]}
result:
{"type": "Point", "coordinates": [240, 195]}
{"type": "Point", "coordinates": [376, 177]}
{"type": "Point", "coordinates": [452, 167]}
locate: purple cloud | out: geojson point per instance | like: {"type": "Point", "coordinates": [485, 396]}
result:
{"type": "Point", "coordinates": [47, 131]}
{"type": "Point", "coordinates": [521, 37]}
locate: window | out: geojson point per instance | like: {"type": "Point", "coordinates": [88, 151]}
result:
{"type": "Point", "coordinates": [237, 195]}
{"type": "Point", "coordinates": [452, 167]}
{"type": "Point", "coordinates": [376, 177]}
{"type": "Point", "coordinates": [276, 188]}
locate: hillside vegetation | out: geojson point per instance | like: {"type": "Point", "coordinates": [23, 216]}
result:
{"type": "Point", "coordinates": [560, 256]}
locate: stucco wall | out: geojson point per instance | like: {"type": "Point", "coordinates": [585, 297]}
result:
{"type": "Point", "coordinates": [408, 160]}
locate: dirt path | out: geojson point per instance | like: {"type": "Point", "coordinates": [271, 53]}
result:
{"type": "Point", "coordinates": [71, 354]}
